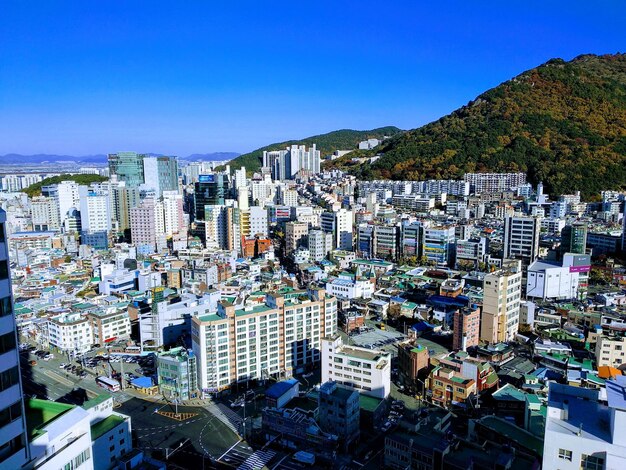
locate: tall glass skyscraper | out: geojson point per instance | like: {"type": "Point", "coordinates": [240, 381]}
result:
{"type": "Point", "coordinates": [13, 440]}
{"type": "Point", "coordinates": [161, 173]}
{"type": "Point", "coordinates": [128, 166]}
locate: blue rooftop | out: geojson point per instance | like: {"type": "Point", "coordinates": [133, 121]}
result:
{"type": "Point", "coordinates": [142, 382]}
{"type": "Point", "coordinates": [280, 388]}
{"type": "Point", "coordinates": [616, 392]}
{"type": "Point", "coordinates": [459, 301]}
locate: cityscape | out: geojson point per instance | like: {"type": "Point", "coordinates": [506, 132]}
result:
{"type": "Point", "coordinates": [451, 295]}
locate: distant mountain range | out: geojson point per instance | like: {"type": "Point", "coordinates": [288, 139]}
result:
{"type": "Point", "coordinates": [15, 158]}
{"type": "Point", "coordinates": [563, 123]}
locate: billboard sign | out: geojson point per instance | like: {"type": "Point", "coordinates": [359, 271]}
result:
{"type": "Point", "coordinates": [206, 178]}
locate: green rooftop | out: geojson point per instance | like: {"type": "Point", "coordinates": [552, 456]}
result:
{"type": "Point", "coordinates": [41, 412]}
{"type": "Point", "coordinates": [514, 433]}
{"type": "Point", "coordinates": [368, 403]}
{"type": "Point", "coordinates": [210, 317]}
{"type": "Point", "coordinates": [255, 309]}
{"type": "Point", "coordinates": [104, 426]}
{"type": "Point", "coordinates": [95, 401]}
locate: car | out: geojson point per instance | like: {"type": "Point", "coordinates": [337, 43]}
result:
{"type": "Point", "coordinates": [62, 366]}
{"type": "Point", "coordinates": [33, 363]}
{"type": "Point", "coordinates": [386, 426]}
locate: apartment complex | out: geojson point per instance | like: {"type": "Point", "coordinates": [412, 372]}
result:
{"type": "Point", "coordinates": [494, 182]}
{"type": "Point", "coordinates": [365, 370]}
{"type": "Point", "coordinates": [278, 336]}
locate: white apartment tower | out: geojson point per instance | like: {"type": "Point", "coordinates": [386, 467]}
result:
{"type": "Point", "coordinates": [320, 244]}
{"type": "Point", "coordinates": [174, 217]}
{"type": "Point", "coordinates": [276, 338]}
{"type": "Point", "coordinates": [13, 438]}
{"type": "Point", "coordinates": [67, 196]}
{"type": "Point", "coordinates": [502, 291]}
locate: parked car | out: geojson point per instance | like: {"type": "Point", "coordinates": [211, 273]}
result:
{"type": "Point", "coordinates": [33, 363]}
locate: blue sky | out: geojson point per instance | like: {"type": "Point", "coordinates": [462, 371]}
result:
{"type": "Point", "coordinates": [184, 77]}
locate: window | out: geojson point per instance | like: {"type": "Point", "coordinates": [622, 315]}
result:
{"type": "Point", "coordinates": [7, 342]}
{"type": "Point", "coordinates": [565, 454]}
{"type": "Point", "coordinates": [591, 462]}
{"type": "Point", "coordinates": [8, 378]}
{"type": "Point", "coordinates": [4, 270]}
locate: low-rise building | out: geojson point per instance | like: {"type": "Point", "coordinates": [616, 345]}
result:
{"type": "Point", "coordinates": [412, 359]}
{"type": "Point", "coordinates": [449, 387]}
{"type": "Point", "coordinates": [70, 332]}
{"type": "Point", "coordinates": [339, 412]}
{"type": "Point", "coordinates": [365, 370]}
{"type": "Point", "coordinates": [177, 373]}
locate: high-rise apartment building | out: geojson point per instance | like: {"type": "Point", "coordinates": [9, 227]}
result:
{"type": "Point", "coordinates": [161, 174]}
{"type": "Point", "coordinates": [521, 238]}
{"type": "Point", "coordinates": [386, 241]}
{"type": "Point", "coordinates": [173, 214]}
{"type": "Point", "coordinates": [13, 437]}
{"type": "Point", "coordinates": [94, 210]}
{"type": "Point", "coordinates": [340, 224]}
{"type": "Point", "coordinates": [494, 182]}
{"type": "Point", "coordinates": [126, 198]}
{"type": "Point", "coordinates": [147, 225]}
{"type": "Point", "coordinates": [128, 166]}
{"type": "Point", "coordinates": [285, 164]}
{"type": "Point", "coordinates": [275, 338]}
{"type": "Point", "coordinates": [66, 195]}
{"type": "Point", "coordinates": [502, 291]}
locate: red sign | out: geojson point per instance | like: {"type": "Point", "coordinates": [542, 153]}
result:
{"type": "Point", "coordinates": [579, 269]}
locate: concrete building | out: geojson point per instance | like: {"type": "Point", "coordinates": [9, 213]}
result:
{"type": "Point", "coordinates": [274, 338]}
{"type": "Point", "coordinates": [45, 214]}
{"type": "Point", "coordinates": [558, 280]}
{"type": "Point", "coordinates": [295, 235]}
{"type": "Point", "coordinates": [502, 292]}
{"type": "Point", "coordinates": [412, 359]}
{"type": "Point", "coordinates": [285, 164]}
{"type": "Point", "coordinates": [466, 330]}
{"type": "Point", "coordinates": [472, 251]}
{"type": "Point", "coordinates": [177, 374]}
{"type": "Point", "coordinates": [611, 347]}
{"type": "Point", "coordinates": [173, 215]}
{"type": "Point", "coordinates": [494, 182]}
{"type": "Point", "coordinates": [320, 244]}
{"type": "Point", "coordinates": [340, 224]}
{"type": "Point", "coordinates": [109, 326]}
{"type": "Point", "coordinates": [583, 433]}
{"type": "Point", "coordinates": [70, 333]}
{"type": "Point", "coordinates": [120, 280]}
{"type": "Point", "coordinates": [147, 225]}
{"type": "Point", "coordinates": [160, 174]}
{"type": "Point", "coordinates": [521, 238]}
{"type": "Point", "coordinates": [66, 194]}
{"type": "Point", "coordinates": [438, 245]}
{"type": "Point", "coordinates": [347, 287]}
{"type": "Point", "coordinates": [14, 450]}
{"type": "Point", "coordinates": [365, 370]}
{"type": "Point", "coordinates": [339, 413]}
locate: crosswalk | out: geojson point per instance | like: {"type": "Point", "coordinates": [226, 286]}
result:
{"type": "Point", "coordinates": [257, 460]}
{"type": "Point", "coordinates": [227, 416]}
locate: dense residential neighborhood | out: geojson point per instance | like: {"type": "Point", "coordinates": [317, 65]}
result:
{"type": "Point", "coordinates": [305, 316]}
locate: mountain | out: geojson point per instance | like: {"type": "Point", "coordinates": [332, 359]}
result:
{"type": "Point", "coordinates": [211, 157]}
{"type": "Point", "coordinates": [15, 158]}
{"type": "Point", "coordinates": [563, 123]}
{"type": "Point", "coordinates": [345, 139]}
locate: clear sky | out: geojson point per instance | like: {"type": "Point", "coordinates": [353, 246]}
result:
{"type": "Point", "coordinates": [183, 77]}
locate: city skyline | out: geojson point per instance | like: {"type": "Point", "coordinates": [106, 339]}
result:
{"type": "Point", "coordinates": [227, 81]}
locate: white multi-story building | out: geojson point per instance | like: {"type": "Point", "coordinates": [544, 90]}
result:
{"type": "Point", "coordinates": [44, 214]}
{"type": "Point", "coordinates": [521, 238]}
{"type": "Point", "coordinates": [13, 437]}
{"type": "Point", "coordinates": [240, 178]}
{"type": "Point", "coordinates": [94, 209]}
{"type": "Point", "coordinates": [173, 215]}
{"type": "Point", "coordinates": [558, 280]}
{"type": "Point", "coordinates": [166, 322]}
{"type": "Point", "coordinates": [364, 370]}
{"type": "Point", "coordinates": [107, 326]}
{"type": "Point", "coordinates": [295, 235]}
{"type": "Point", "coordinates": [66, 193]}
{"type": "Point", "coordinates": [494, 182]}
{"type": "Point", "coordinates": [120, 280]}
{"type": "Point", "coordinates": [70, 333]}
{"type": "Point", "coordinates": [320, 244]}
{"type": "Point", "coordinates": [347, 287]}
{"type": "Point", "coordinates": [611, 350]}
{"type": "Point", "coordinates": [581, 432]}
{"type": "Point", "coordinates": [275, 338]}
{"type": "Point", "coordinates": [258, 221]}
{"type": "Point", "coordinates": [285, 164]}
{"type": "Point", "coordinates": [551, 225]}
{"type": "Point", "coordinates": [502, 291]}
{"type": "Point", "coordinates": [340, 224]}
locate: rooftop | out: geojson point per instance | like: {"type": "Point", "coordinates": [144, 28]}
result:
{"type": "Point", "coordinates": [104, 426]}
{"type": "Point", "coordinates": [41, 412]}
{"type": "Point", "coordinates": [368, 403]}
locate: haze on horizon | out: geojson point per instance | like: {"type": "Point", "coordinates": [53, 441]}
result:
{"type": "Point", "coordinates": [86, 78]}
